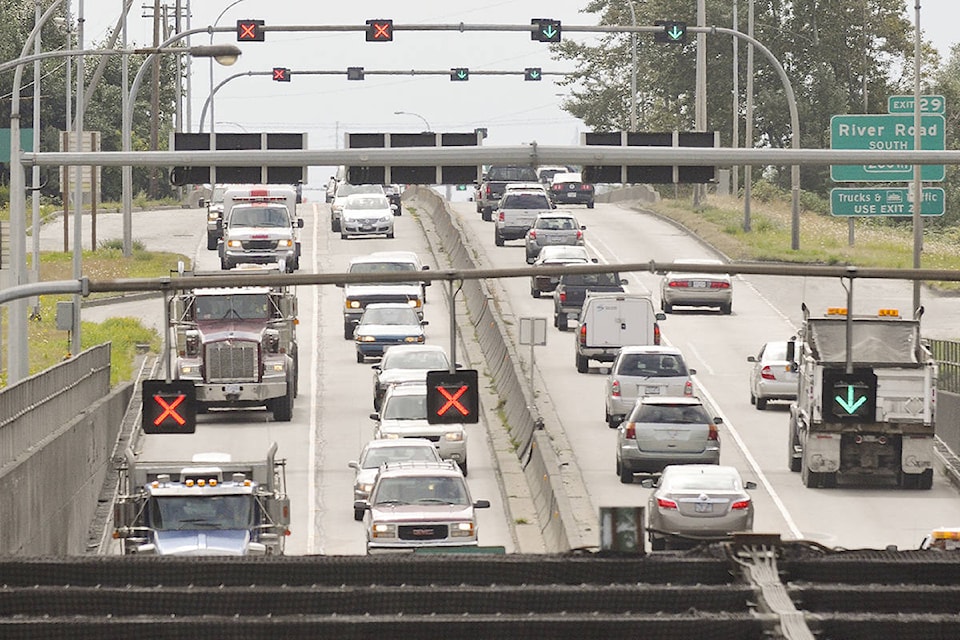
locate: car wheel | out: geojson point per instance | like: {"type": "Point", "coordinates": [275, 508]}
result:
{"type": "Point", "coordinates": [561, 321]}
{"type": "Point", "coordinates": [753, 398]}
{"type": "Point", "coordinates": [360, 357]}
{"type": "Point", "coordinates": [334, 226]}
{"type": "Point", "coordinates": [348, 331]}
{"type": "Point", "coordinates": [582, 364]}
{"type": "Point", "coordinates": [343, 236]}
{"type": "Point", "coordinates": [667, 307]}
{"type": "Point", "coordinates": [590, 205]}
{"type": "Point", "coordinates": [793, 462]}
{"type": "Point", "coordinates": [761, 404]}
{"type": "Point", "coordinates": [534, 292]}
{"type": "Point", "coordinates": [358, 514]}
{"type": "Point", "coordinates": [626, 475]}
{"type": "Point", "coordinates": [463, 466]}
{"type": "Point", "coordinates": [612, 421]}
{"type": "Point", "coordinates": [211, 241]}
{"type": "Point", "coordinates": [226, 265]}
{"type": "Point", "coordinates": [487, 214]}
{"type": "Point", "coordinates": [283, 407]}
{"type": "Point", "coordinates": [925, 480]}
{"type": "Point", "coordinates": [726, 309]}
{"type": "Point", "coordinates": [497, 239]}
{"type": "Point", "coordinates": [658, 544]}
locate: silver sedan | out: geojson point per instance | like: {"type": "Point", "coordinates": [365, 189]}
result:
{"type": "Point", "coordinates": [697, 501]}
{"type": "Point", "coordinates": [551, 229]}
{"type": "Point", "coordinates": [641, 371]}
{"type": "Point", "coordinates": [380, 452]}
{"type": "Point", "coordinates": [773, 376]}
{"type": "Point", "coordinates": [685, 289]}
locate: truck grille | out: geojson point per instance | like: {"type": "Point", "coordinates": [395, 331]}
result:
{"type": "Point", "coordinates": [259, 245]}
{"type": "Point", "coordinates": [232, 362]}
{"type": "Point", "coordinates": [423, 532]}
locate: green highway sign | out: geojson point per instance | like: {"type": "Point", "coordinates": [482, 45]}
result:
{"type": "Point", "coordinates": [891, 132]}
{"type": "Point", "coordinates": [885, 202]}
{"type": "Point", "coordinates": [928, 104]}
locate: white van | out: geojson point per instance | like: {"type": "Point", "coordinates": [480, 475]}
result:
{"type": "Point", "coordinates": [609, 321]}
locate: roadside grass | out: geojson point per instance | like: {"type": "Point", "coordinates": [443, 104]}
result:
{"type": "Point", "coordinates": [49, 345]}
{"type": "Point", "coordinates": [823, 238]}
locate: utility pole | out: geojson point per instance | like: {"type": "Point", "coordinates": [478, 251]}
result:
{"type": "Point", "coordinates": [155, 99]}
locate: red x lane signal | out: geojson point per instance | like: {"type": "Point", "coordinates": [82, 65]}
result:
{"type": "Point", "coordinates": [453, 397]}
{"type": "Point", "coordinates": [281, 74]}
{"type": "Point", "coordinates": [169, 407]}
{"type": "Point", "coordinates": [249, 31]}
{"type": "Point", "coordinates": [379, 30]}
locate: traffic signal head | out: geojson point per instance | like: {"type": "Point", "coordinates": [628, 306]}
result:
{"type": "Point", "coordinates": [460, 74]}
{"type": "Point", "coordinates": [532, 73]}
{"type": "Point", "coordinates": [673, 31]}
{"type": "Point", "coordinates": [547, 30]}
{"type": "Point", "coordinates": [354, 73]}
{"type": "Point", "coordinates": [281, 74]}
{"type": "Point", "coordinates": [453, 398]}
{"type": "Point", "coordinates": [379, 30]}
{"type": "Point", "coordinates": [249, 31]}
{"type": "Point", "coordinates": [169, 407]}
{"type": "Point", "coordinates": [849, 398]}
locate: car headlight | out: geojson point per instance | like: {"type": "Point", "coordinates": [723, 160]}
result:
{"type": "Point", "coordinates": [235, 244]}
{"type": "Point", "coordinates": [386, 218]}
{"type": "Point", "coordinates": [462, 530]}
{"type": "Point", "coordinates": [212, 216]}
{"type": "Point", "coordinates": [413, 339]}
{"type": "Point", "coordinates": [365, 488]}
{"type": "Point", "coordinates": [414, 302]}
{"type": "Point", "coordinates": [278, 367]}
{"type": "Point", "coordinates": [366, 339]}
{"type": "Point", "coordinates": [381, 530]}
{"type": "Point", "coordinates": [352, 304]}
{"type": "Point", "coordinates": [453, 436]}
{"type": "Point", "coordinates": [189, 370]}
{"type": "Point", "coordinates": [285, 243]}
{"type": "Point", "coordinates": [389, 436]}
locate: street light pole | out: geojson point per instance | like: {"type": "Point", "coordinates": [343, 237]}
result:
{"type": "Point", "coordinates": [215, 22]}
{"type": "Point", "coordinates": [411, 113]}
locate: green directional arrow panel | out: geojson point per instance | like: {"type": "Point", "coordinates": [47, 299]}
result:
{"type": "Point", "coordinates": [849, 397]}
{"type": "Point", "coordinates": [459, 74]}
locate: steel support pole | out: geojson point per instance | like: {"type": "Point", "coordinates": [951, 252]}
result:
{"type": "Point", "coordinates": [453, 325]}
{"type": "Point", "coordinates": [917, 146]}
{"type": "Point", "coordinates": [35, 181]}
{"type": "Point", "coordinates": [75, 336]}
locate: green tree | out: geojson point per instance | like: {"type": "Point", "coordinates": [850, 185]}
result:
{"type": "Point", "coordinates": [840, 56]}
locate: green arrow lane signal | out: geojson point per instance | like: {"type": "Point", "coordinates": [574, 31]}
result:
{"type": "Point", "coordinates": [532, 73]}
{"type": "Point", "coordinates": [673, 31]}
{"type": "Point", "coordinates": [459, 74]}
{"type": "Point", "coordinates": [850, 405]}
{"type": "Point", "coordinates": [547, 30]}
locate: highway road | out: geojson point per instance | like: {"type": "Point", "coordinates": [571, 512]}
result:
{"type": "Point", "coordinates": [330, 430]}
{"type": "Point", "coordinates": [764, 308]}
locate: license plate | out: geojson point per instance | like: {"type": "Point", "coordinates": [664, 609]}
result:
{"type": "Point", "coordinates": [366, 227]}
{"type": "Point", "coordinates": [232, 388]}
{"type": "Point", "coordinates": [703, 507]}
{"type": "Point", "coordinates": [651, 390]}
{"type": "Point", "coordinates": [572, 194]}
{"type": "Point", "coordinates": [699, 284]}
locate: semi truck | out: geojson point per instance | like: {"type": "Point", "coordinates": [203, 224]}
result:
{"type": "Point", "coordinates": [238, 344]}
{"type": "Point", "coordinates": [209, 506]}
{"type": "Point", "coordinates": [866, 400]}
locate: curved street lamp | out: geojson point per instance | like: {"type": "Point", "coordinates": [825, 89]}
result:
{"type": "Point", "coordinates": [411, 113]}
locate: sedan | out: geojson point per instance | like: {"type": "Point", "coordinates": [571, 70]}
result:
{"type": "Point", "coordinates": [773, 376]}
{"type": "Point", "coordinates": [551, 229]}
{"type": "Point", "coordinates": [696, 289]}
{"type": "Point", "coordinates": [570, 188]}
{"type": "Point", "coordinates": [344, 190]}
{"type": "Point", "coordinates": [641, 371]}
{"type": "Point", "coordinates": [702, 501]}
{"type": "Point", "coordinates": [406, 363]}
{"type": "Point", "coordinates": [367, 215]}
{"type": "Point", "coordinates": [384, 324]}
{"type": "Point", "coordinates": [666, 430]}
{"type": "Point", "coordinates": [381, 452]}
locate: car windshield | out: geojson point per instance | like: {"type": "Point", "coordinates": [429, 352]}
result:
{"type": "Point", "coordinates": [251, 306]}
{"type": "Point", "coordinates": [391, 316]}
{"type": "Point", "coordinates": [556, 224]}
{"type": "Point", "coordinates": [421, 490]}
{"type": "Point", "coordinates": [651, 364]}
{"type": "Point", "coordinates": [405, 408]}
{"type": "Point", "coordinates": [525, 201]}
{"type": "Point", "coordinates": [512, 174]}
{"type": "Point", "coordinates": [383, 455]}
{"type": "Point", "coordinates": [703, 482]}
{"type": "Point", "coordinates": [415, 360]}
{"type": "Point", "coordinates": [671, 414]}
{"type": "Point", "coordinates": [349, 189]}
{"type": "Point", "coordinates": [592, 279]}
{"type": "Point", "coordinates": [259, 217]}
{"type": "Point", "coordinates": [178, 513]}
{"type": "Point", "coordinates": [367, 203]}
{"type": "Point", "coordinates": [382, 267]}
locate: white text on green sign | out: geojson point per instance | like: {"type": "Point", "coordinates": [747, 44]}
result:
{"type": "Point", "coordinates": [928, 104]}
{"type": "Point", "coordinates": [885, 132]}
{"type": "Point", "coordinates": [884, 202]}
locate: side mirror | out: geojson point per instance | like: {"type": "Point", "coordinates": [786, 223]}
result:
{"type": "Point", "coordinates": [717, 420]}
{"type": "Point", "coordinates": [660, 315]}
{"type": "Point", "coordinates": [361, 505]}
{"type": "Point", "coordinates": [749, 485]}
{"type": "Point", "coordinates": [751, 358]}
{"type": "Point", "coordinates": [340, 284]}
{"type": "Point", "coordinates": [692, 372]}
{"type": "Point", "coordinates": [353, 464]}
{"type": "Point", "coordinates": [583, 227]}
{"type": "Point", "coordinates": [424, 323]}
{"type": "Point", "coordinates": [201, 203]}
{"type": "Point", "coordinates": [374, 416]}
{"type": "Point", "coordinates": [300, 223]}
{"type": "Point", "coordinates": [594, 260]}
{"type": "Point", "coordinates": [481, 504]}
{"type": "Point", "coordinates": [624, 281]}
{"type": "Point", "coordinates": [648, 483]}
{"type": "Point", "coordinates": [375, 367]}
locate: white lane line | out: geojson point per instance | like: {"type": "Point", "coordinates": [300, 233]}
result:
{"type": "Point", "coordinates": [700, 359]}
{"type": "Point", "coordinates": [794, 529]}
{"type": "Point", "coordinates": [768, 487]}
{"type": "Point", "coordinates": [314, 390]}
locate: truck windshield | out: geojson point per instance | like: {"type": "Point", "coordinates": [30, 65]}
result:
{"type": "Point", "coordinates": [382, 267]}
{"type": "Point", "coordinates": [422, 490]}
{"type": "Point", "coordinates": [235, 307]}
{"type": "Point", "coordinates": [259, 217]}
{"type": "Point", "coordinates": [181, 513]}
{"type": "Point", "coordinates": [512, 174]}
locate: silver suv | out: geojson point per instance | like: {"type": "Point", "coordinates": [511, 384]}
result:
{"type": "Point", "coordinates": [552, 229]}
{"type": "Point", "coordinates": [420, 504]}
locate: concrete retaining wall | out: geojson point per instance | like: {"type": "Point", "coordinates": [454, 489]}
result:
{"type": "Point", "coordinates": [636, 193]}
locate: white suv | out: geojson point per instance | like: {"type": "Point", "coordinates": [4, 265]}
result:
{"type": "Point", "coordinates": [420, 504]}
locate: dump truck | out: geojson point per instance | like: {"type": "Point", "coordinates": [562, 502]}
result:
{"type": "Point", "coordinates": [866, 400]}
{"type": "Point", "coordinates": [207, 506]}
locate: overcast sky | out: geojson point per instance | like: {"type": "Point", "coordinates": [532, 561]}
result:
{"type": "Point", "coordinates": [514, 111]}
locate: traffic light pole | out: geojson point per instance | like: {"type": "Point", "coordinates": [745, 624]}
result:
{"type": "Point", "coordinates": [453, 325]}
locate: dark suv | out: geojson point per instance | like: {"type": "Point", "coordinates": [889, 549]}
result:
{"type": "Point", "coordinates": [495, 182]}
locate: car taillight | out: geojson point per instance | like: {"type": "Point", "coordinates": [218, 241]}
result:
{"type": "Point", "coordinates": [688, 388]}
{"type": "Point", "coordinates": [714, 434]}
{"type": "Point", "coordinates": [766, 374]}
{"type": "Point", "coordinates": [656, 333]}
{"type": "Point", "coordinates": [664, 503]}
{"type": "Point", "coordinates": [630, 431]}
{"type": "Point", "coordinates": [533, 234]}
{"type": "Point", "coordinates": [719, 285]}
{"type": "Point", "coordinates": [678, 284]}
{"type": "Point", "coordinates": [579, 235]}
{"type": "Point", "coordinates": [615, 389]}
{"type": "Point", "coordinates": [583, 333]}
{"type": "Point", "coordinates": [740, 504]}
{"type": "Point", "coordinates": [500, 217]}
{"type": "Point", "coordinates": [557, 186]}
{"type": "Point", "coordinates": [563, 297]}
{"type": "Point", "coordinates": [586, 187]}
{"type": "Point", "coordinates": [489, 191]}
